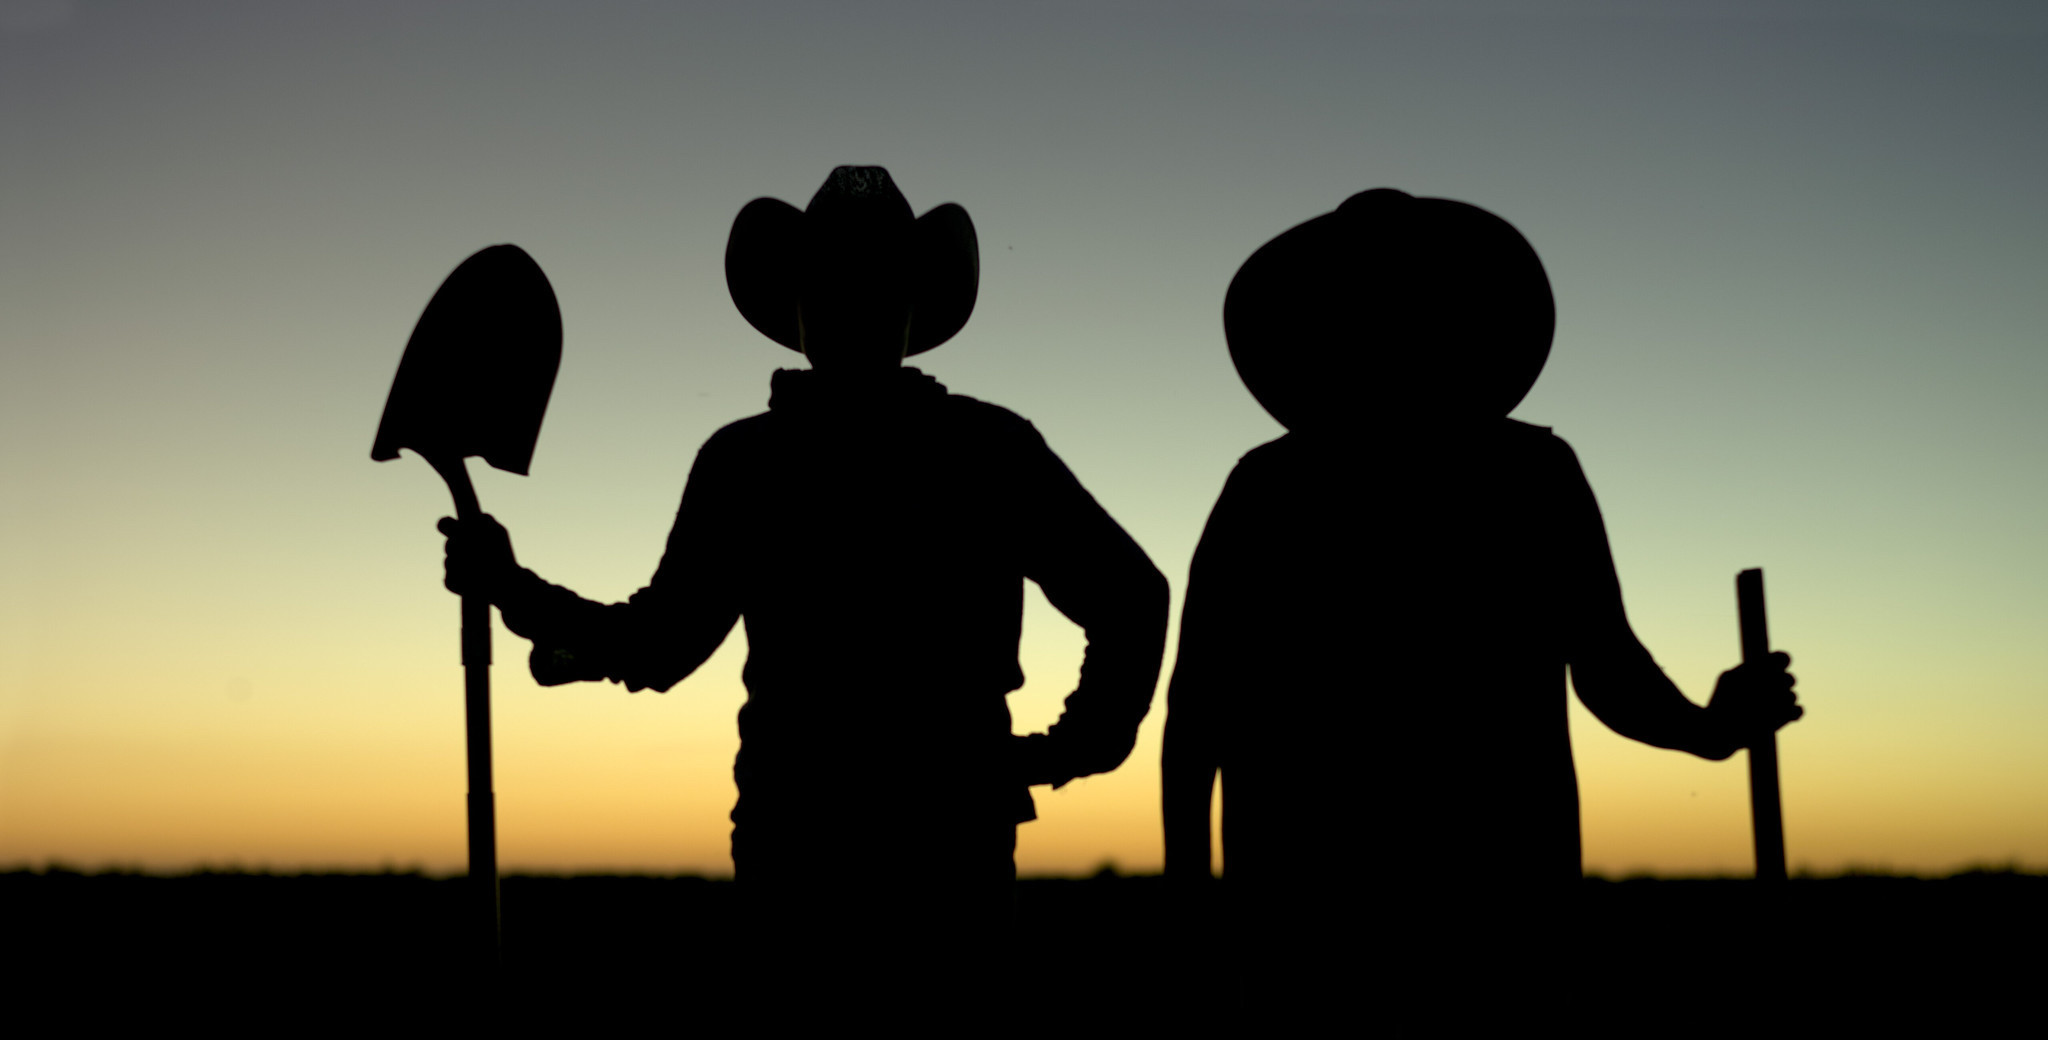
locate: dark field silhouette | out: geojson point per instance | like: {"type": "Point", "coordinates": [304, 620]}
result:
{"type": "Point", "coordinates": [1082, 951]}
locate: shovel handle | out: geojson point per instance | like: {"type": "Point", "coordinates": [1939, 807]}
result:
{"type": "Point", "coordinates": [455, 472]}
{"type": "Point", "coordinates": [1765, 810]}
{"type": "Point", "coordinates": [476, 698]}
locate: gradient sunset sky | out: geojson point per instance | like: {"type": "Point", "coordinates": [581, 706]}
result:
{"type": "Point", "coordinates": [1798, 250]}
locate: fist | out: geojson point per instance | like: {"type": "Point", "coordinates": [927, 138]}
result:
{"type": "Point", "coordinates": [1752, 701]}
{"type": "Point", "coordinates": [479, 558]}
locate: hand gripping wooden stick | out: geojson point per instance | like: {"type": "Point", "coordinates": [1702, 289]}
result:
{"type": "Point", "coordinates": [1765, 817]}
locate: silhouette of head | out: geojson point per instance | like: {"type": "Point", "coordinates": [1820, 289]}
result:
{"type": "Point", "coordinates": [1392, 311]}
{"type": "Point", "coordinates": [853, 281]}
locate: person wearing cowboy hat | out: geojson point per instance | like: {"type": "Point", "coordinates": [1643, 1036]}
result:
{"type": "Point", "coordinates": [874, 531]}
{"type": "Point", "coordinates": [1385, 602]}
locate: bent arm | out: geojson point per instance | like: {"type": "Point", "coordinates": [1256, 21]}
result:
{"type": "Point", "coordinates": [1618, 680]}
{"type": "Point", "coordinates": [1615, 676]}
{"type": "Point", "coordinates": [663, 632]}
{"type": "Point", "coordinates": [1091, 571]}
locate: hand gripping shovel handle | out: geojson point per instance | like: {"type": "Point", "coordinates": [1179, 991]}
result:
{"type": "Point", "coordinates": [476, 688]}
{"type": "Point", "coordinates": [1764, 807]}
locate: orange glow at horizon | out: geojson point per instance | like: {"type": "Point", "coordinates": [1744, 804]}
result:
{"type": "Point", "coordinates": [223, 636]}
{"type": "Point", "coordinates": [361, 775]}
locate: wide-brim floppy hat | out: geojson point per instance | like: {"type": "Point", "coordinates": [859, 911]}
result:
{"type": "Point", "coordinates": [1394, 303]}
{"type": "Point", "coordinates": [858, 219]}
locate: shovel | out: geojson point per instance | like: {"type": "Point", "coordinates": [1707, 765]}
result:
{"type": "Point", "coordinates": [475, 380]}
{"type": "Point", "coordinates": [1766, 820]}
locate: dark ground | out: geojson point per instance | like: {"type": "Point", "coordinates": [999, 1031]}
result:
{"type": "Point", "coordinates": [1083, 955]}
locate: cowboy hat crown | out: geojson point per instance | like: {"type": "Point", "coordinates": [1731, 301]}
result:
{"type": "Point", "coordinates": [857, 232]}
{"type": "Point", "coordinates": [1409, 307]}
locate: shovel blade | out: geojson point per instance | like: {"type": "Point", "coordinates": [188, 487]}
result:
{"type": "Point", "coordinates": [477, 373]}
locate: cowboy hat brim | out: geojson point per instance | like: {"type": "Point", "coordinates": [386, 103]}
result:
{"type": "Point", "coordinates": [764, 255]}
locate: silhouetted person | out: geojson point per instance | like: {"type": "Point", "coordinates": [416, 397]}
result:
{"type": "Point", "coordinates": [874, 532]}
{"type": "Point", "coordinates": [1386, 601]}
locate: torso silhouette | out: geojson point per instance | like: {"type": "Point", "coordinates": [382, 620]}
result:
{"type": "Point", "coordinates": [1374, 652]}
{"type": "Point", "coordinates": [874, 532]}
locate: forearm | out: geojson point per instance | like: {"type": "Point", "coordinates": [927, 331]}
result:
{"type": "Point", "coordinates": [1623, 687]}
{"type": "Point", "coordinates": [651, 641]}
{"type": "Point", "coordinates": [1126, 639]}
{"type": "Point", "coordinates": [542, 612]}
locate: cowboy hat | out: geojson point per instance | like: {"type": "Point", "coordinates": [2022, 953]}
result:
{"type": "Point", "coordinates": [857, 228]}
{"type": "Point", "coordinates": [1407, 306]}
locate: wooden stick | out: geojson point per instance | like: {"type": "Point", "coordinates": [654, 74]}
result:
{"type": "Point", "coordinates": [1766, 818]}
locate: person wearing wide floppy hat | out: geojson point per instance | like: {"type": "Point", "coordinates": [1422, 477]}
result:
{"type": "Point", "coordinates": [1385, 601]}
{"type": "Point", "coordinates": [875, 532]}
